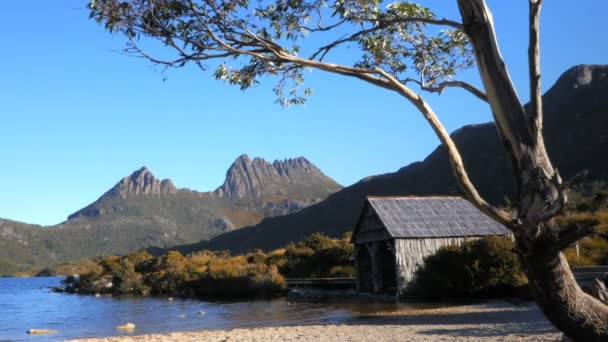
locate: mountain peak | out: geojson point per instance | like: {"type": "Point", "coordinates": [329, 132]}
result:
{"type": "Point", "coordinates": [141, 182]}
{"type": "Point", "coordinates": [258, 178]}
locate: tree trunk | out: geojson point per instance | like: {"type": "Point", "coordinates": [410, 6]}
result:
{"type": "Point", "coordinates": [599, 291]}
{"type": "Point", "coordinates": [540, 194]}
{"type": "Point", "coordinates": [575, 313]}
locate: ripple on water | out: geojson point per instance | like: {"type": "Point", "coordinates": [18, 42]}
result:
{"type": "Point", "coordinates": [26, 303]}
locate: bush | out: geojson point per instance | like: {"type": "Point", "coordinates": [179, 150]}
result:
{"type": "Point", "coordinates": [319, 256]}
{"type": "Point", "coordinates": [593, 250]}
{"type": "Point", "coordinates": [244, 280]}
{"type": "Point", "coordinates": [167, 274]}
{"type": "Point", "coordinates": [486, 267]}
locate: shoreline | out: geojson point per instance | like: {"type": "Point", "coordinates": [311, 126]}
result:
{"type": "Point", "coordinates": [494, 321]}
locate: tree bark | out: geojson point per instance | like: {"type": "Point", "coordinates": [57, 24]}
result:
{"type": "Point", "coordinates": [540, 194]}
{"type": "Point", "coordinates": [599, 291]}
{"type": "Point", "coordinates": [575, 313]}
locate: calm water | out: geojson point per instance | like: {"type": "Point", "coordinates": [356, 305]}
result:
{"type": "Point", "coordinates": [26, 303]}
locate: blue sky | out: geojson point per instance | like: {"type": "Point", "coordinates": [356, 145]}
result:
{"type": "Point", "coordinates": [77, 115]}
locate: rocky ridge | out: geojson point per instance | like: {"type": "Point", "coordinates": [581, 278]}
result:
{"type": "Point", "coordinates": [258, 178]}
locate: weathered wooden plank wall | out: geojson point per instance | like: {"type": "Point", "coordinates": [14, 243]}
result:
{"type": "Point", "coordinates": [410, 254]}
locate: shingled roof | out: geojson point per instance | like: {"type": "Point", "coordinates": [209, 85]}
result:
{"type": "Point", "coordinates": [431, 217]}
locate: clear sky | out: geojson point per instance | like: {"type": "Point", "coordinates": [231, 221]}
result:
{"type": "Point", "coordinates": [76, 115]}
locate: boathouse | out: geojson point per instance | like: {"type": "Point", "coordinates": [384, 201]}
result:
{"type": "Point", "coordinates": [393, 235]}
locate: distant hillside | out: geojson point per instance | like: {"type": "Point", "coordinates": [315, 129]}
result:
{"type": "Point", "coordinates": [141, 211]}
{"type": "Point", "coordinates": [576, 133]}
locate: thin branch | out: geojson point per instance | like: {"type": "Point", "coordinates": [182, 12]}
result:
{"type": "Point", "coordinates": [451, 84]}
{"type": "Point", "coordinates": [321, 28]}
{"type": "Point", "coordinates": [573, 233]}
{"type": "Point", "coordinates": [536, 104]}
{"type": "Point", "coordinates": [454, 156]}
{"type": "Point", "coordinates": [322, 51]}
{"type": "Point", "coordinates": [440, 22]}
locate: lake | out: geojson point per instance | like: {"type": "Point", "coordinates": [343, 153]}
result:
{"type": "Point", "coordinates": [26, 303]}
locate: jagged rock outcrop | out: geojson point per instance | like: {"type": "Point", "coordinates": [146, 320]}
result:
{"type": "Point", "coordinates": [142, 182]}
{"type": "Point", "coordinates": [257, 179]}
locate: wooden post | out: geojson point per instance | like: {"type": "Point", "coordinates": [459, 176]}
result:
{"type": "Point", "coordinates": [372, 248]}
{"type": "Point", "coordinates": [393, 248]}
{"type": "Point", "coordinates": [357, 269]}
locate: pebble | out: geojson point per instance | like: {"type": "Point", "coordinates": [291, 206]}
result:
{"type": "Point", "coordinates": [41, 331]}
{"type": "Point", "coordinates": [126, 327]}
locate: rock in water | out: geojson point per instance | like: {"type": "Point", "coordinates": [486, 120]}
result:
{"type": "Point", "coordinates": [126, 327]}
{"type": "Point", "coordinates": [41, 331]}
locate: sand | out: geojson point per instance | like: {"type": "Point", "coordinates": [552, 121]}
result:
{"type": "Point", "coordinates": [496, 321]}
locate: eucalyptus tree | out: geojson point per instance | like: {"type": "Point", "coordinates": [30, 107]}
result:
{"type": "Point", "coordinates": [404, 48]}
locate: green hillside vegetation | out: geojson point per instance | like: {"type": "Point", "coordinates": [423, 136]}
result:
{"type": "Point", "coordinates": [216, 274]}
{"type": "Point", "coordinates": [8, 268]}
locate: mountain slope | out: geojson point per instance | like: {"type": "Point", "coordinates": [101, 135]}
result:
{"type": "Point", "coordinates": [576, 133]}
{"type": "Point", "coordinates": [142, 211]}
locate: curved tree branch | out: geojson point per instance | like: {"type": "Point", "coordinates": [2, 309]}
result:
{"type": "Point", "coordinates": [458, 168]}
{"type": "Point", "coordinates": [438, 88]}
{"type": "Point", "coordinates": [536, 104]}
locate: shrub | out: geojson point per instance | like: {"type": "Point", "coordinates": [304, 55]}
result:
{"type": "Point", "coordinates": [486, 267]}
{"type": "Point", "coordinates": [167, 274]}
{"type": "Point", "coordinates": [593, 250]}
{"type": "Point", "coordinates": [318, 256]}
{"type": "Point", "coordinates": [245, 280]}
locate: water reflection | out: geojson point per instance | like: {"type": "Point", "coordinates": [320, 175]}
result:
{"type": "Point", "coordinates": [25, 303]}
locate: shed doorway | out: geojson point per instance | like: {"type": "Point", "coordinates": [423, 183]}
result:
{"type": "Point", "coordinates": [364, 270]}
{"type": "Point", "coordinates": [388, 266]}
{"type": "Point", "coordinates": [376, 267]}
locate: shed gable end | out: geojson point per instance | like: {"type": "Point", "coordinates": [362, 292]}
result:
{"type": "Point", "coordinates": [369, 227]}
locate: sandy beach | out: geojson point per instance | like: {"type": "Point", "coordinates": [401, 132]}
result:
{"type": "Point", "coordinates": [496, 321]}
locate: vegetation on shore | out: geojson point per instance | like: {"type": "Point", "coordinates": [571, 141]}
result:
{"type": "Point", "coordinates": [216, 274]}
{"type": "Point", "coordinates": [482, 268]}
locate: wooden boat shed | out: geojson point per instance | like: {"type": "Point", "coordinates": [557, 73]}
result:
{"type": "Point", "coordinates": [393, 235]}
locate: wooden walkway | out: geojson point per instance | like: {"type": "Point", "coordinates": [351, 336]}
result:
{"type": "Point", "coordinates": [585, 276]}
{"type": "Point", "coordinates": [326, 283]}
